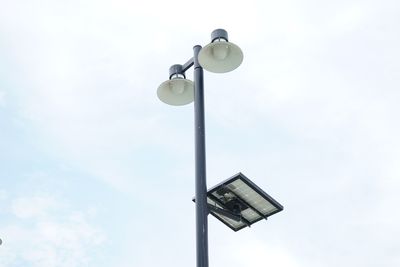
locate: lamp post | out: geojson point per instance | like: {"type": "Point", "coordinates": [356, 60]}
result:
{"type": "Point", "coordinates": [237, 202]}
{"type": "Point", "coordinates": [219, 56]}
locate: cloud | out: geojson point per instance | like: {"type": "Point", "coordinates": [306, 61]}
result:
{"type": "Point", "coordinates": [257, 253]}
{"type": "Point", "coordinates": [45, 233]}
{"type": "Point", "coordinates": [253, 251]}
{"type": "Point", "coordinates": [32, 207]}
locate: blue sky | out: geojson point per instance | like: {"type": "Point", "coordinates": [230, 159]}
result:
{"type": "Point", "coordinates": [96, 171]}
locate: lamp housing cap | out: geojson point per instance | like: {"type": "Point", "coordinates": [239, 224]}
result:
{"type": "Point", "coordinates": [219, 34]}
{"type": "Point", "coordinates": [176, 69]}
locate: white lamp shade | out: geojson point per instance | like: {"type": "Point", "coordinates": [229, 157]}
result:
{"type": "Point", "coordinates": [220, 57]}
{"type": "Point", "coordinates": [176, 92]}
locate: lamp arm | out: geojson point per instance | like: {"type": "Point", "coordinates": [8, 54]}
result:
{"type": "Point", "coordinates": [187, 65]}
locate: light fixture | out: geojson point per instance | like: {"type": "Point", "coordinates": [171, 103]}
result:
{"type": "Point", "coordinates": [220, 55]}
{"type": "Point", "coordinates": [238, 202]}
{"type": "Point", "coordinates": [176, 91]}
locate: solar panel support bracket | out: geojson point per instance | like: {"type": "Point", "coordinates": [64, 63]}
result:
{"type": "Point", "coordinates": [226, 213]}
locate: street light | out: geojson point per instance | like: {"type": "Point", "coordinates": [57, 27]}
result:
{"type": "Point", "coordinates": [177, 90]}
{"type": "Point", "coordinates": [224, 201]}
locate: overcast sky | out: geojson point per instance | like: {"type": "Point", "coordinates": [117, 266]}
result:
{"type": "Point", "coordinates": [96, 171]}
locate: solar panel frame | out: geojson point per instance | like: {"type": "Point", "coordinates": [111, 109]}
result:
{"type": "Point", "coordinates": [253, 186]}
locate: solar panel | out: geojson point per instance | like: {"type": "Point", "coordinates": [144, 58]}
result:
{"type": "Point", "coordinates": [238, 197]}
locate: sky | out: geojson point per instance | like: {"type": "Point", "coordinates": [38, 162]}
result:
{"type": "Point", "coordinates": [96, 171]}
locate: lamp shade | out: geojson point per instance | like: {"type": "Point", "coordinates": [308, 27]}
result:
{"type": "Point", "coordinates": [220, 56]}
{"type": "Point", "coordinates": [176, 92]}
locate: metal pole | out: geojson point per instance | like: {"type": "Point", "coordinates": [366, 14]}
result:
{"type": "Point", "coordinates": [200, 165]}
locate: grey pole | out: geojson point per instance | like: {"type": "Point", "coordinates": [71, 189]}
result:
{"type": "Point", "coordinates": [200, 164]}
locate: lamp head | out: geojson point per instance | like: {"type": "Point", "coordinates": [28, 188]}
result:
{"type": "Point", "coordinates": [177, 91]}
{"type": "Point", "coordinates": [220, 55]}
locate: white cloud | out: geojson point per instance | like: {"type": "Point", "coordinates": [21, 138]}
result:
{"type": "Point", "coordinates": [351, 18]}
{"type": "Point", "coordinates": [255, 252]}
{"type": "Point", "coordinates": [29, 207]}
{"type": "Point", "coordinates": [43, 236]}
